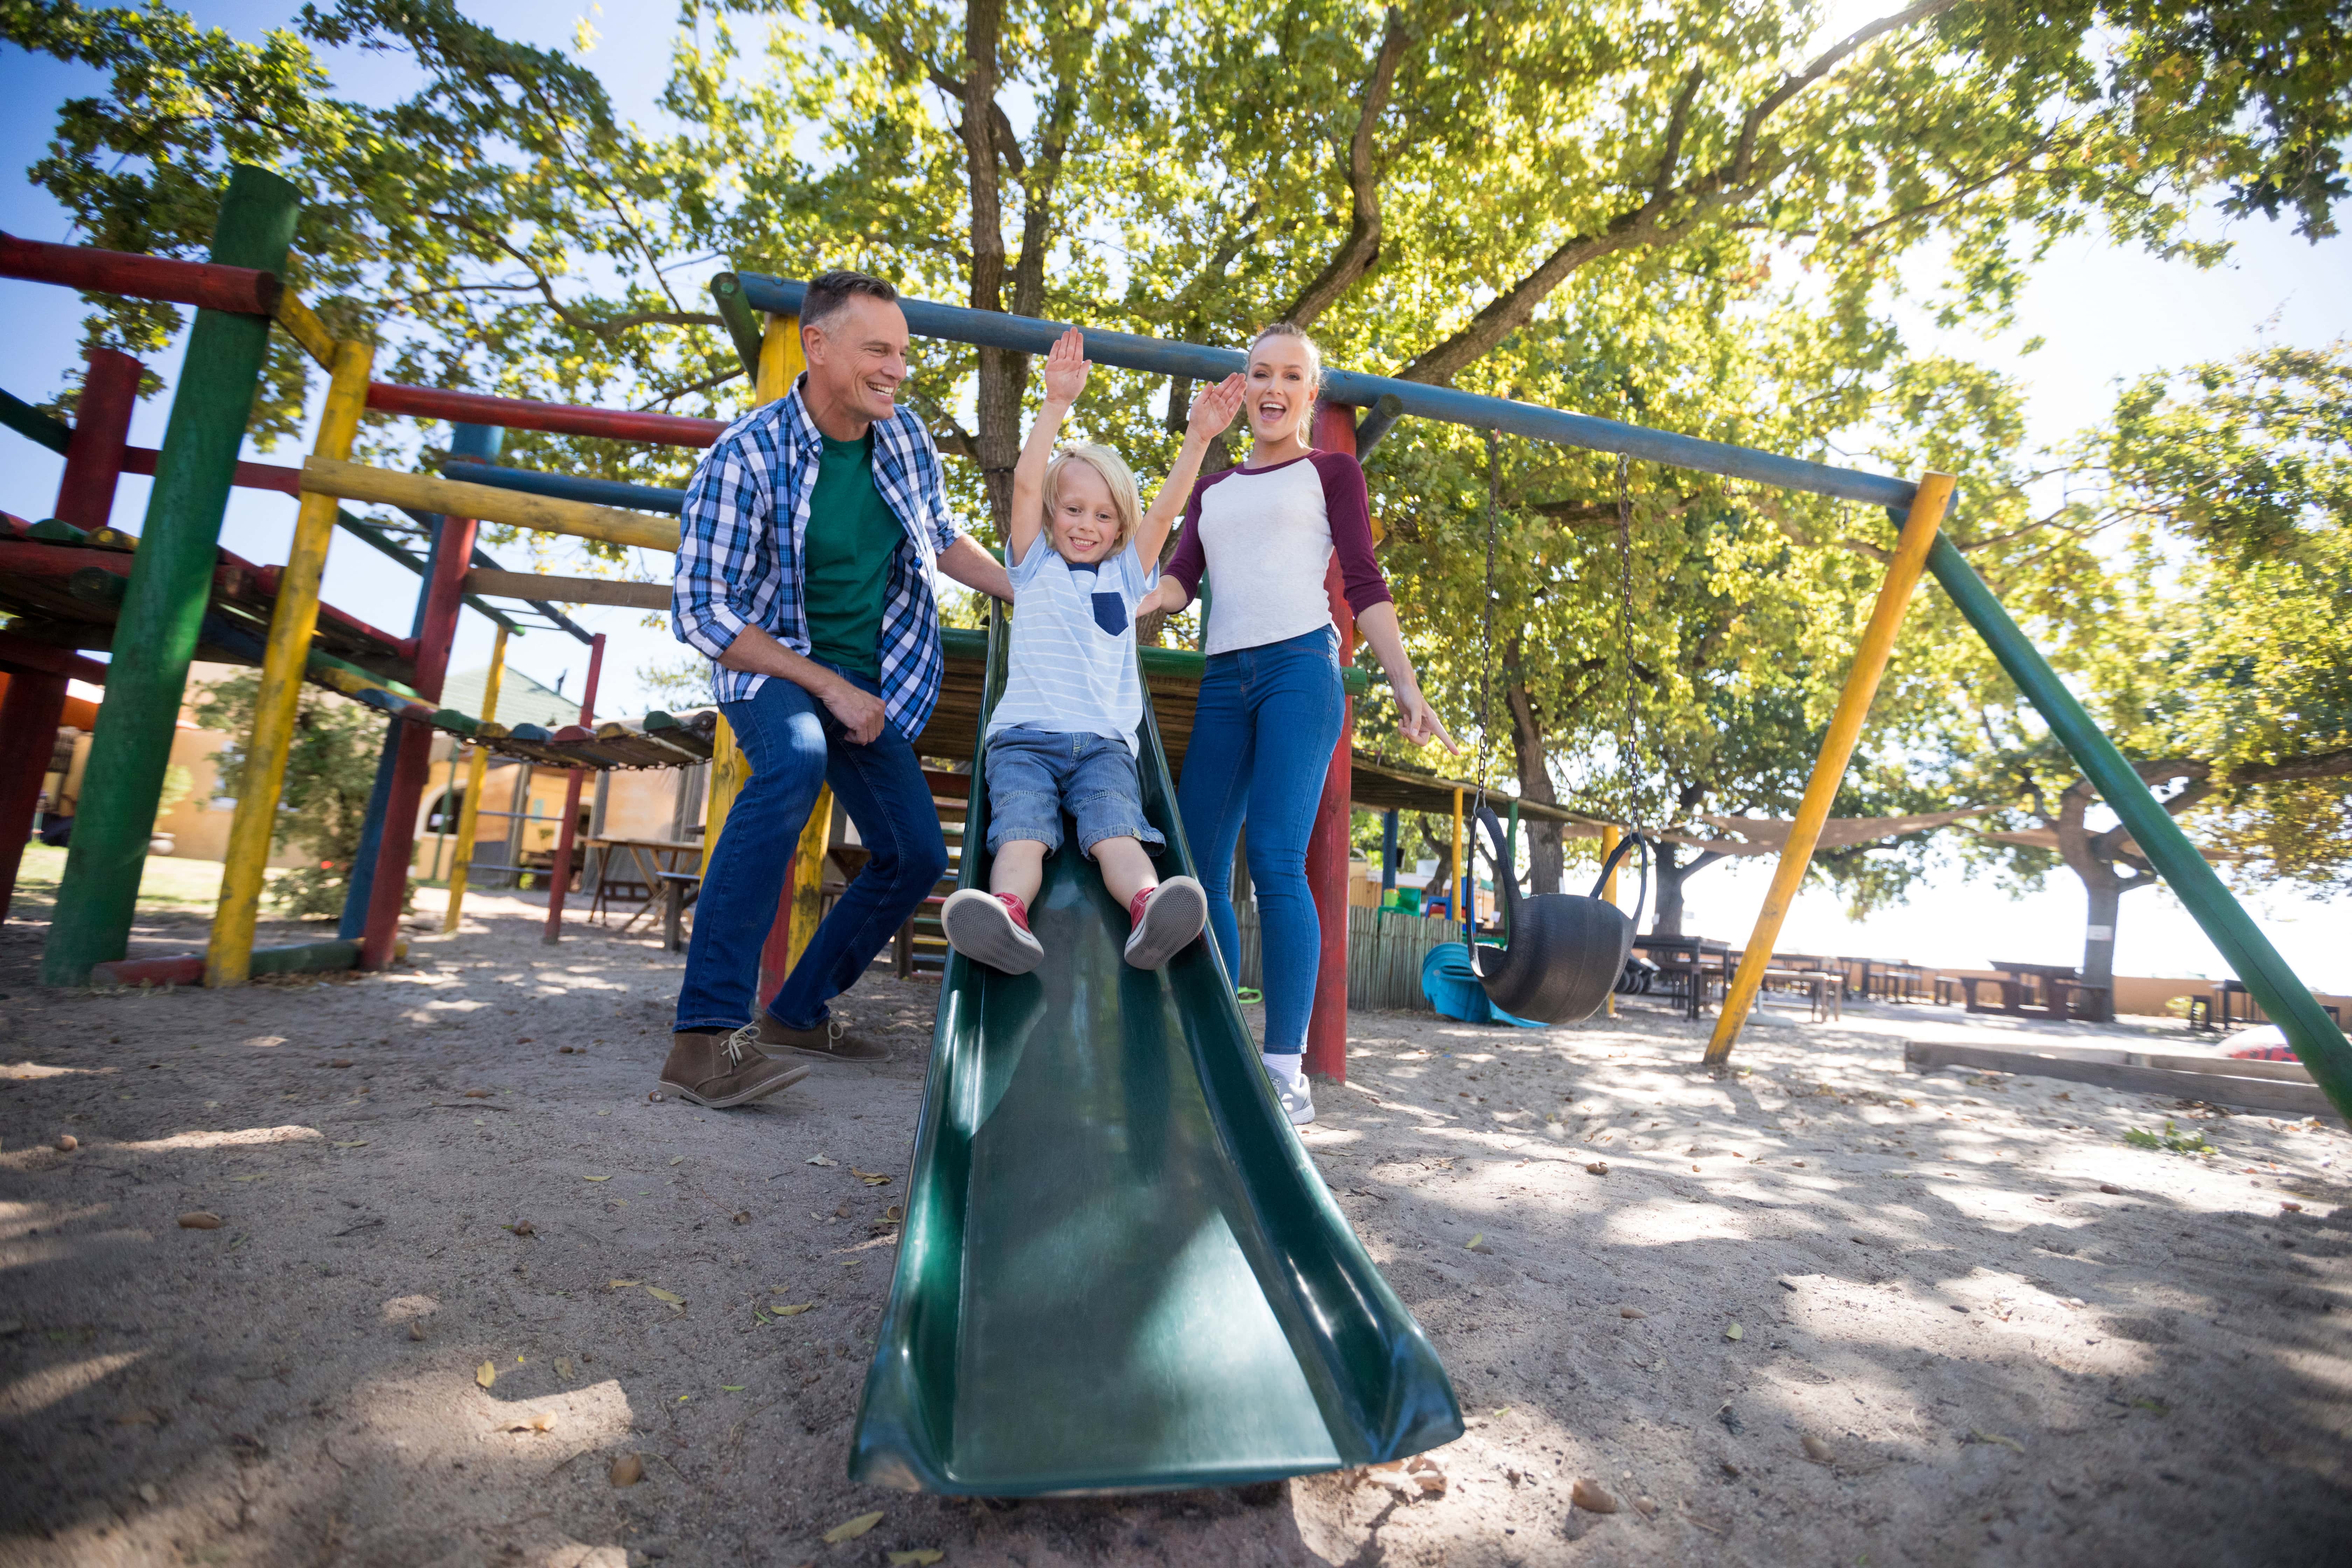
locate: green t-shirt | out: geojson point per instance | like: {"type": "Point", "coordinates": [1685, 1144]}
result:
{"type": "Point", "coordinates": [846, 557]}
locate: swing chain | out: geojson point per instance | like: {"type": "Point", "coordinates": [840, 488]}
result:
{"type": "Point", "coordinates": [1625, 630]}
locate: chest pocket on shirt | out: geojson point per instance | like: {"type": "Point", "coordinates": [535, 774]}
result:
{"type": "Point", "coordinates": [1111, 613]}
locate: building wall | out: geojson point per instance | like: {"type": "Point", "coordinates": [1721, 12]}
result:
{"type": "Point", "coordinates": [638, 804]}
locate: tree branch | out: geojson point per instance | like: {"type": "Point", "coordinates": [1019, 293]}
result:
{"type": "Point", "coordinates": [1363, 247]}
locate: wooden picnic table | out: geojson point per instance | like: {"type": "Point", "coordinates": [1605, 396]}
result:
{"type": "Point", "coordinates": [1693, 960]}
{"type": "Point", "coordinates": [2037, 991]}
{"type": "Point", "coordinates": [659, 872]}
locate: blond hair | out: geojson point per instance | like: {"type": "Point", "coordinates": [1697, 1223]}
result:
{"type": "Point", "coordinates": [1117, 477]}
{"type": "Point", "coordinates": [1308, 345]}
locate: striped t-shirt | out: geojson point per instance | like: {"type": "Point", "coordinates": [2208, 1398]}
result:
{"type": "Point", "coordinates": [1071, 666]}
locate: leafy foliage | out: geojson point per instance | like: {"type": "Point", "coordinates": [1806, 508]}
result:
{"type": "Point", "coordinates": [329, 771]}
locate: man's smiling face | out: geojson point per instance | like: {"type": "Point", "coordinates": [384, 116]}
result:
{"type": "Point", "coordinates": [857, 359]}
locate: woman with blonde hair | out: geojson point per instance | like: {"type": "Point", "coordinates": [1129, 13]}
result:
{"type": "Point", "coordinates": [1062, 737]}
{"type": "Point", "coordinates": [1262, 535]}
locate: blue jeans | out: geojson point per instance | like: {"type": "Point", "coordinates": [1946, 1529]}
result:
{"type": "Point", "coordinates": [1036, 775]}
{"type": "Point", "coordinates": [794, 743]}
{"type": "Point", "coordinates": [1262, 740]}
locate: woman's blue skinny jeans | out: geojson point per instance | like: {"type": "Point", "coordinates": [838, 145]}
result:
{"type": "Point", "coordinates": [1262, 740]}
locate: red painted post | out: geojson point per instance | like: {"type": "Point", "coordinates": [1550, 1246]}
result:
{"type": "Point", "coordinates": [564, 835]}
{"type": "Point", "coordinates": [555, 418]}
{"type": "Point", "coordinates": [36, 701]}
{"type": "Point", "coordinates": [109, 390]}
{"type": "Point", "coordinates": [776, 952]}
{"type": "Point", "coordinates": [443, 597]}
{"type": "Point", "coordinates": [1328, 845]}
{"type": "Point", "coordinates": [29, 715]}
{"type": "Point", "coordinates": [240, 290]}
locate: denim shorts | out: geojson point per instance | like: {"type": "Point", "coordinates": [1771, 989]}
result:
{"type": "Point", "coordinates": [1036, 775]}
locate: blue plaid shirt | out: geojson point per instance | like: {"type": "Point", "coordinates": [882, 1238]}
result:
{"type": "Point", "coordinates": [739, 540]}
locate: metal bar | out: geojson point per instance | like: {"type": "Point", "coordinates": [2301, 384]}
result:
{"type": "Point", "coordinates": [207, 285]}
{"type": "Point", "coordinates": [41, 429]}
{"type": "Point", "coordinates": [568, 486]}
{"type": "Point", "coordinates": [381, 539]}
{"type": "Point", "coordinates": [357, 481]}
{"type": "Point", "coordinates": [1026, 334]}
{"type": "Point", "coordinates": [170, 582]}
{"type": "Point", "coordinates": [1919, 532]}
{"type": "Point", "coordinates": [2319, 1044]}
{"type": "Point", "coordinates": [554, 418]}
{"type": "Point", "coordinates": [294, 617]}
{"type": "Point", "coordinates": [565, 832]}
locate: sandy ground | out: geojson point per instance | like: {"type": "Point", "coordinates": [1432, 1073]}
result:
{"type": "Point", "coordinates": [1972, 1325]}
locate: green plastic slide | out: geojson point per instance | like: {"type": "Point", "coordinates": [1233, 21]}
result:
{"type": "Point", "coordinates": [1120, 1271]}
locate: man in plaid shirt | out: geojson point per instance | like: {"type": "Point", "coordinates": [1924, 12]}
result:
{"type": "Point", "coordinates": [809, 539]}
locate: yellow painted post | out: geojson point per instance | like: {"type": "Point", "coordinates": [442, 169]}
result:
{"type": "Point", "coordinates": [1610, 839]}
{"type": "Point", "coordinates": [228, 955]}
{"type": "Point", "coordinates": [469, 811]}
{"type": "Point", "coordinates": [1928, 506]}
{"type": "Point", "coordinates": [807, 889]}
{"type": "Point", "coordinates": [781, 363]}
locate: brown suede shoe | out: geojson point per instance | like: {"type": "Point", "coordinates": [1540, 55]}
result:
{"type": "Point", "coordinates": [831, 1039]}
{"type": "Point", "coordinates": [720, 1067]}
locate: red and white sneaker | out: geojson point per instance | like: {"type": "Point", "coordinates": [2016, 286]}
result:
{"type": "Point", "coordinates": [991, 929]}
{"type": "Point", "coordinates": [1166, 917]}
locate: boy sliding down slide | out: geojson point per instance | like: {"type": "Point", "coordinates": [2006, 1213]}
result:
{"type": "Point", "coordinates": [1063, 734]}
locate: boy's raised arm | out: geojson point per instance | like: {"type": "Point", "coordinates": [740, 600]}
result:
{"type": "Point", "coordinates": [1213, 411]}
{"type": "Point", "coordinates": [1065, 377]}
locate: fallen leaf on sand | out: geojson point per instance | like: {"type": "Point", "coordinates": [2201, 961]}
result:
{"type": "Point", "coordinates": [1499, 1415]}
{"type": "Point", "coordinates": [563, 1366]}
{"type": "Point", "coordinates": [596, 1178]}
{"type": "Point", "coordinates": [1591, 1497]}
{"type": "Point", "coordinates": [539, 1423]}
{"type": "Point", "coordinates": [678, 1159]}
{"type": "Point", "coordinates": [2290, 1207]}
{"type": "Point", "coordinates": [416, 1329]}
{"type": "Point", "coordinates": [731, 1387]}
{"type": "Point", "coordinates": [485, 1375]}
{"type": "Point", "coordinates": [1597, 1168]}
{"type": "Point", "coordinates": [743, 1218]}
{"type": "Point", "coordinates": [1816, 1450]}
{"type": "Point", "coordinates": [851, 1528]}
{"type": "Point", "coordinates": [478, 1094]}
{"type": "Point", "coordinates": [793, 1311]}
{"type": "Point", "coordinates": [200, 1219]}
{"type": "Point", "coordinates": [1734, 1332]}
{"type": "Point", "coordinates": [1631, 1312]}
{"type": "Point", "coordinates": [1976, 1437]}
{"type": "Point", "coordinates": [339, 1062]}
{"type": "Point", "coordinates": [623, 1284]}
{"type": "Point", "coordinates": [353, 1143]}
{"type": "Point", "coordinates": [871, 1178]}
{"type": "Point", "coordinates": [523, 1227]}
{"type": "Point", "coordinates": [2109, 1187]}
{"type": "Point", "coordinates": [895, 1213]}
{"type": "Point", "coordinates": [658, 1294]}
{"type": "Point", "coordinates": [1648, 1507]}
{"type": "Point", "coordinates": [1477, 1243]}
{"type": "Point", "coordinates": [920, 1557]}
{"type": "Point", "coordinates": [626, 1471]}
{"type": "Point", "coordinates": [67, 1143]}
{"type": "Point", "coordinates": [823, 1160]}
{"type": "Point", "coordinates": [139, 1418]}
{"type": "Point", "coordinates": [1423, 1472]}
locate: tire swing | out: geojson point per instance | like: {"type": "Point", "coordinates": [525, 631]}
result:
{"type": "Point", "coordinates": [1561, 954]}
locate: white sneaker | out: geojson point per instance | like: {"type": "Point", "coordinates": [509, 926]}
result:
{"type": "Point", "coordinates": [1174, 913]}
{"type": "Point", "coordinates": [1298, 1101]}
{"type": "Point", "coordinates": [979, 925]}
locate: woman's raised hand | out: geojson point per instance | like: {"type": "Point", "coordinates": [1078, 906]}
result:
{"type": "Point", "coordinates": [1213, 410]}
{"type": "Point", "coordinates": [1067, 366]}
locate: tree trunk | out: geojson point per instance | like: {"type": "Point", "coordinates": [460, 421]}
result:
{"type": "Point", "coordinates": [1669, 878]}
{"type": "Point", "coordinates": [1545, 859]}
{"type": "Point", "coordinates": [1002, 373]}
{"type": "Point", "coordinates": [2106, 900]}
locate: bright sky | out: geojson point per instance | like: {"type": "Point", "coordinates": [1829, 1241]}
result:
{"type": "Point", "coordinates": [2105, 315]}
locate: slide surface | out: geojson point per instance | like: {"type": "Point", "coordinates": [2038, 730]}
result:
{"type": "Point", "coordinates": [1118, 1270]}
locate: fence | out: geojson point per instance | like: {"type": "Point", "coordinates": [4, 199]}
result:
{"type": "Point", "coordinates": [1385, 949]}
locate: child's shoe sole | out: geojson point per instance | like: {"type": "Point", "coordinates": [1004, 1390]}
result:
{"type": "Point", "coordinates": [978, 926]}
{"type": "Point", "coordinates": [1172, 917]}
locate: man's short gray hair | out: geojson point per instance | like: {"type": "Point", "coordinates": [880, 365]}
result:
{"type": "Point", "coordinates": [829, 291]}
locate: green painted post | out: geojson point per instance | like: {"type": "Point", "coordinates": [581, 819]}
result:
{"type": "Point", "coordinates": [2318, 1043]}
{"type": "Point", "coordinates": [170, 581]}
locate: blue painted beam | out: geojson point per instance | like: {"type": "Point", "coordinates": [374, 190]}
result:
{"type": "Point", "coordinates": [568, 486]}
{"type": "Point", "coordinates": [1160, 356]}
